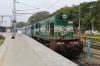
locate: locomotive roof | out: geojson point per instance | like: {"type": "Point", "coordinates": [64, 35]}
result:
{"type": "Point", "coordinates": [53, 18]}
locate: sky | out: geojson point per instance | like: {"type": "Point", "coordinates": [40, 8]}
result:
{"type": "Point", "coordinates": [6, 7]}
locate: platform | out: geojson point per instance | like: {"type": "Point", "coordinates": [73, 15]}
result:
{"type": "Point", "coordinates": [25, 51]}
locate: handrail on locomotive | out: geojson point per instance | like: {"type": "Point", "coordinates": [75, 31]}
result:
{"type": "Point", "coordinates": [57, 33]}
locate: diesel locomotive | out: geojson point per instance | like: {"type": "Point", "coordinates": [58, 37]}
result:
{"type": "Point", "coordinates": [57, 33]}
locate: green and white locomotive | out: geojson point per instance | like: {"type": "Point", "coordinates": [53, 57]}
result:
{"type": "Point", "coordinates": [57, 33]}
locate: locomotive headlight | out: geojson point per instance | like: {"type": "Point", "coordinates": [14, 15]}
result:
{"type": "Point", "coordinates": [64, 16]}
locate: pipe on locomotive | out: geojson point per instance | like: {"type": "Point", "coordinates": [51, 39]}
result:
{"type": "Point", "coordinates": [70, 32]}
{"type": "Point", "coordinates": [57, 32]}
{"type": "Point", "coordinates": [51, 34]}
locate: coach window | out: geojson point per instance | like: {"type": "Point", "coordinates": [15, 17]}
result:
{"type": "Point", "coordinates": [36, 26]}
{"type": "Point", "coordinates": [48, 26]}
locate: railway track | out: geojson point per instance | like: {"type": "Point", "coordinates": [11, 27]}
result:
{"type": "Point", "coordinates": [87, 63]}
{"type": "Point", "coordinates": [93, 52]}
{"type": "Point", "coordinates": [95, 47]}
{"type": "Point", "coordinates": [81, 61]}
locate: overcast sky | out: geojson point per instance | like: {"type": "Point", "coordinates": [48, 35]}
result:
{"type": "Point", "coordinates": [6, 7]}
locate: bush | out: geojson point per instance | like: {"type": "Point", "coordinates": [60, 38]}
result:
{"type": "Point", "coordinates": [2, 38]}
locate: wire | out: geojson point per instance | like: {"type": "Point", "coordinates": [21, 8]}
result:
{"type": "Point", "coordinates": [23, 13]}
{"type": "Point", "coordinates": [53, 4]}
{"type": "Point", "coordinates": [87, 26]}
{"type": "Point", "coordinates": [27, 5]}
{"type": "Point", "coordinates": [26, 9]}
{"type": "Point", "coordinates": [45, 2]}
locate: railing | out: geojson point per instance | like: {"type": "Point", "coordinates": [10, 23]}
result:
{"type": "Point", "coordinates": [57, 30]}
{"type": "Point", "coordinates": [88, 37]}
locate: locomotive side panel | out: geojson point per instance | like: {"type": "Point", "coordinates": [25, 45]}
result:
{"type": "Point", "coordinates": [63, 26]}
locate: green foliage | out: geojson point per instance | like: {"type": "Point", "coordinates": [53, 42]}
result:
{"type": "Point", "coordinates": [20, 24]}
{"type": "Point", "coordinates": [90, 14]}
{"type": "Point", "coordinates": [96, 15]}
{"type": "Point", "coordinates": [38, 17]}
{"type": "Point", "coordinates": [27, 24]}
{"type": "Point", "coordinates": [66, 10]}
{"type": "Point", "coordinates": [2, 38]}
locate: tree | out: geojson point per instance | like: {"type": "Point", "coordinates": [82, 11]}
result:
{"type": "Point", "coordinates": [38, 17]}
{"type": "Point", "coordinates": [86, 18]}
{"type": "Point", "coordinates": [96, 15]}
{"type": "Point", "coordinates": [90, 14]}
{"type": "Point", "coordinates": [20, 24]}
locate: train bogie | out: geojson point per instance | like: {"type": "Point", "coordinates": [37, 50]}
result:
{"type": "Point", "coordinates": [71, 46]}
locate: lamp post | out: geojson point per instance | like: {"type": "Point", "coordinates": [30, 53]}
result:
{"type": "Point", "coordinates": [79, 19]}
{"type": "Point", "coordinates": [91, 22]}
{"type": "Point", "coordinates": [14, 19]}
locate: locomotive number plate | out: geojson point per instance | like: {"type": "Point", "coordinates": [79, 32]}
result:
{"type": "Point", "coordinates": [60, 42]}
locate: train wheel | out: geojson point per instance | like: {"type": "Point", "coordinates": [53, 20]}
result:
{"type": "Point", "coordinates": [46, 43]}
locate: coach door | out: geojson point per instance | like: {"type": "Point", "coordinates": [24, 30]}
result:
{"type": "Point", "coordinates": [52, 28]}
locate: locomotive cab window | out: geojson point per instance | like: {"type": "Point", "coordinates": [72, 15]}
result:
{"type": "Point", "coordinates": [48, 26]}
{"type": "Point", "coordinates": [36, 26]}
{"type": "Point", "coordinates": [52, 28]}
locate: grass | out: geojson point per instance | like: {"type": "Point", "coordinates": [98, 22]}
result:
{"type": "Point", "coordinates": [2, 38]}
{"type": "Point", "coordinates": [83, 55]}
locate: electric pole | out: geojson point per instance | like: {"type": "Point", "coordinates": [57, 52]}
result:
{"type": "Point", "coordinates": [14, 19]}
{"type": "Point", "coordinates": [79, 19]}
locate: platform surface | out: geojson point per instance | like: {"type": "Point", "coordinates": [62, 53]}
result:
{"type": "Point", "coordinates": [25, 51]}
